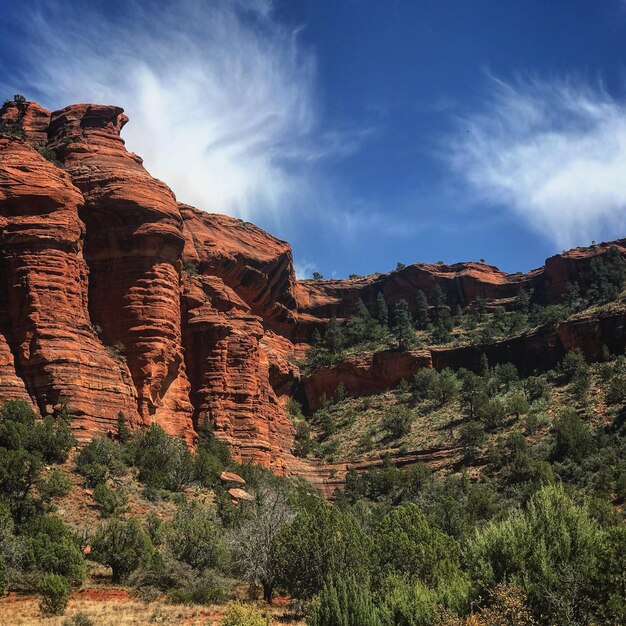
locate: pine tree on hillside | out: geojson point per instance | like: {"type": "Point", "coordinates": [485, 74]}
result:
{"type": "Point", "coordinates": [438, 302]}
{"type": "Point", "coordinates": [360, 325]}
{"type": "Point", "coordinates": [421, 313]}
{"type": "Point", "coordinates": [403, 326]}
{"type": "Point", "coordinates": [608, 276]}
{"type": "Point", "coordinates": [334, 338]}
{"type": "Point", "coordinates": [383, 309]}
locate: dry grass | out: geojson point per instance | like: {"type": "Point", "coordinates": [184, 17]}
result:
{"type": "Point", "coordinates": [110, 607]}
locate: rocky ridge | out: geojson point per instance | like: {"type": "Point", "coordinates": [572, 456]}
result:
{"type": "Point", "coordinates": [115, 298]}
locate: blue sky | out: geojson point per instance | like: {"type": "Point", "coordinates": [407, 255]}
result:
{"type": "Point", "coordinates": [363, 132]}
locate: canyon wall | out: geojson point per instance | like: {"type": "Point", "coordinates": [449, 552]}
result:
{"type": "Point", "coordinates": [115, 298]}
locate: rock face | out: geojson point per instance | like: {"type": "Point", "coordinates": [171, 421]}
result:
{"type": "Point", "coordinates": [51, 342]}
{"type": "Point", "coordinates": [121, 300]}
{"type": "Point", "coordinates": [133, 244]}
{"type": "Point", "coordinates": [545, 347]}
{"type": "Point", "coordinates": [365, 373]}
{"type": "Point", "coordinates": [257, 266]}
{"type": "Point", "coordinates": [117, 299]}
{"type": "Point", "coordinates": [230, 366]}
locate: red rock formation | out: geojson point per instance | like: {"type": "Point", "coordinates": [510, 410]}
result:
{"type": "Point", "coordinates": [229, 367]}
{"type": "Point", "coordinates": [257, 266]}
{"type": "Point", "coordinates": [92, 305]}
{"type": "Point", "coordinates": [365, 373]}
{"type": "Point", "coordinates": [544, 347]}
{"type": "Point", "coordinates": [537, 350]}
{"type": "Point", "coordinates": [132, 246]}
{"type": "Point", "coordinates": [47, 326]}
{"type": "Point", "coordinates": [28, 117]}
{"type": "Point", "coordinates": [461, 283]}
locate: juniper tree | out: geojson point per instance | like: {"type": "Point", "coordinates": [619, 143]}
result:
{"type": "Point", "coordinates": [383, 309]}
{"type": "Point", "coordinates": [403, 326]}
{"type": "Point", "coordinates": [254, 543]}
{"type": "Point", "coordinates": [438, 302]}
{"type": "Point", "coordinates": [122, 545]}
{"type": "Point", "coordinates": [421, 312]}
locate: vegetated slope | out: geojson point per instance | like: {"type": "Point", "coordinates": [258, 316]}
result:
{"type": "Point", "coordinates": [473, 420]}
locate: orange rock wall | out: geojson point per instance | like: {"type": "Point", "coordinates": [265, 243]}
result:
{"type": "Point", "coordinates": [52, 346]}
{"type": "Point", "coordinates": [119, 299]}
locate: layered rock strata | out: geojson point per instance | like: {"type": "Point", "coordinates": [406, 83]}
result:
{"type": "Point", "coordinates": [115, 298]}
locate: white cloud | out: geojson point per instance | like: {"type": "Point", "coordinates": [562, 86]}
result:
{"type": "Point", "coordinates": [554, 152]}
{"type": "Point", "coordinates": [304, 268]}
{"type": "Point", "coordinates": [221, 95]}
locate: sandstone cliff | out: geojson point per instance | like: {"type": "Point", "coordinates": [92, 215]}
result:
{"type": "Point", "coordinates": [118, 299]}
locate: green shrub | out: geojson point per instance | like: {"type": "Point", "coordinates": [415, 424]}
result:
{"type": "Point", "coordinates": [48, 154]}
{"type": "Point", "coordinates": [472, 437]}
{"type": "Point", "coordinates": [190, 268]}
{"type": "Point", "coordinates": [536, 388]}
{"type": "Point", "coordinates": [580, 386]}
{"type": "Point", "coordinates": [110, 501]}
{"type": "Point", "coordinates": [552, 550]}
{"type": "Point", "coordinates": [100, 459]}
{"type": "Point", "coordinates": [405, 542]}
{"type": "Point", "coordinates": [195, 538]}
{"type": "Point", "coordinates": [304, 443]}
{"type": "Point", "coordinates": [122, 545]}
{"type": "Point", "coordinates": [55, 592]}
{"type": "Point", "coordinates": [161, 572]}
{"type": "Point", "coordinates": [548, 315]}
{"type": "Point", "coordinates": [238, 614]}
{"type": "Point", "coordinates": [155, 529]}
{"type": "Point", "coordinates": [206, 468]}
{"type": "Point", "coordinates": [56, 484]}
{"type": "Point", "coordinates": [573, 364]}
{"type": "Point", "coordinates": [79, 619]}
{"type": "Point", "coordinates": [612, 582]}
{"type": "Point", "coordinates": [616, 392]}
{"type": "Point", "coordinates": [572, 437]}
{"type": "Point", "coordinates": [322, 541]}
{"type": "Point", "coordinates": [164, 462]}
{"type": "Point", "coordinates": [492, 412]}
{"type": "Point", "coordinates": [421, 383]}
{"type": "Point", "coordinates": [19, 471]}
{"type": "Point", "coordinates": [344, 602]}
{"type": "Point", "coordinates": [206, 589]}
{"type": "Point", "coordinates": [443, 387]}
{"type": "Point", "coordinates": [406, 602]}
{"type": "Point", "coordinates": [516, 404]}
{"type": "Point", "coordinates": [397, 423]}
{"type": "Point", "coordinates": [55, 550]}
{"type": "Point", "coordinates": [50, 438]}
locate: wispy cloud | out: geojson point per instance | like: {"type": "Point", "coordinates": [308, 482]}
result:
{"type": "Point", "coordinates": [221, 95]}
{"type": "Point", "coordinates": [553, 152]}
{"type": "Point", "coordinates": [304, 268]}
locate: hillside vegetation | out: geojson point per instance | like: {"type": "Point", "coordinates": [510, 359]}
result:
{"type": "Point", "coordinates": [515, 517]}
